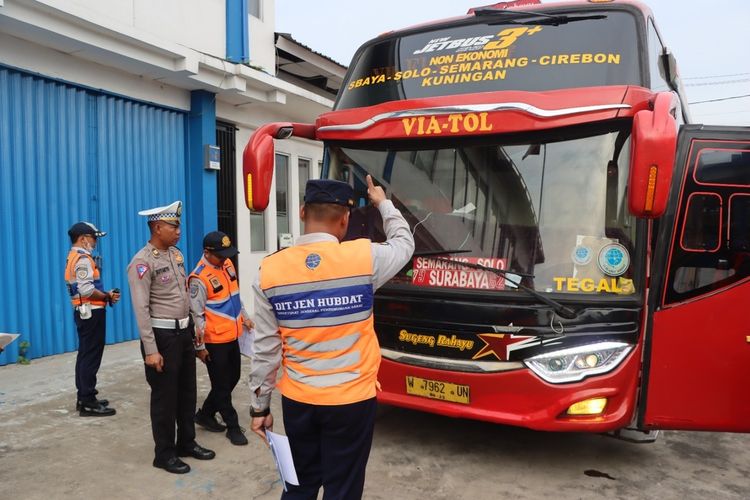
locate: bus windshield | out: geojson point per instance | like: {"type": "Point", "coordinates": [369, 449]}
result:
{"type": "Point", "coordinates": [552, 209]}
{"type": "Point", "coordinates": [492, 54]}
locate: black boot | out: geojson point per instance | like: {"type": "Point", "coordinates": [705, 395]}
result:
{"type": "Point", "coordinates": [103, 402]}
{"type": "Point", "coordinates": [208, 422]}
{"type": "Point", "coordinates": [236, 436]}
{"type": "Point", "coordinates": [96, 410]}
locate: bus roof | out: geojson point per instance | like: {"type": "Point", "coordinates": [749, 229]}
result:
{"type": "Point", "coordinates": [525, 5]}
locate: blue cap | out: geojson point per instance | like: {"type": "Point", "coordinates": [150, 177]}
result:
{"type": "Point", "coordinates": [328, 191]}
{"type": "Point", "coordinates": [81, 228]}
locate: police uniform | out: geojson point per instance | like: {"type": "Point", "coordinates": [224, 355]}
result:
{"type": "Point", "coordinates": [313, 315]}
{"type": "Point", "coordinates": [218, 311]}
{"type": "Point", "coordinates": [82, 276]}
{"type": "Point", "coordinates": [158, 290]}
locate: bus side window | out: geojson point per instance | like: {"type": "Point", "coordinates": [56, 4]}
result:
{"type": "Point", "coordinates": [711, 249]}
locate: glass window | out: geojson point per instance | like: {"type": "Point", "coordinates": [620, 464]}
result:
{"type": "Point", "coordinates": [303, 173]}
{"type": "Point", "coordinates": [656, 50]}
{"type": "Point", "coordinates": [712, 247]}
{"type": "Point", "coordinates": [723, 167]}
{"type": "Point", "coordinates": [739, 222]}
{"type": "Point", "coordinates": [257, 232]}
{"type": "Point", "coordinates": [689, 278]}
{"type": "Point", "coordinates": [702, 223]}
{"type": "Point", "coordinates": [528, 207]}
{"type": "Point", "coordinates": [254, 8]}
{"type": "Point", "coordinates": [491, 54]}
{"type": "Point", "coordinates": [282, 191]}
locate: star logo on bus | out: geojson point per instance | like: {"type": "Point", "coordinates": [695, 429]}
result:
{"type": "Point", "coordinates": [502, 344]}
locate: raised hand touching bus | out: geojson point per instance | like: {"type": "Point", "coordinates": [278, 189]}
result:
{"type": "Point", "coordinates": [375, 193]}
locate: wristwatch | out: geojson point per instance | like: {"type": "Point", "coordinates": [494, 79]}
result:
{"type": "Point", "coordinates": [259, 413]}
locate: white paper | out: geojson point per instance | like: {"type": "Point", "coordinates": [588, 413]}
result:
{"type": "Point", "coordinates": [246, 342]}
{"type": "Point", "coordinates": [282, 455]}
{"type": "Point", "coordinates": [7, 338]}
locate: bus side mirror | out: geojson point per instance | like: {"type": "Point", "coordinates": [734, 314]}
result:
{"type": "Point", "coordinates": [258, 160]}
{"type": "Point", "coordinates": [653, 145]}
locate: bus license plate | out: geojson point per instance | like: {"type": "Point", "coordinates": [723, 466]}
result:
{"type": "Point", "coordinates": [434, 389]}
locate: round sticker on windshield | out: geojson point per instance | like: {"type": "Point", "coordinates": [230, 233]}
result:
{"type": "Point", "coordinates": [582, 255]}
{"type": "Point", "coordinates": [614, 259]}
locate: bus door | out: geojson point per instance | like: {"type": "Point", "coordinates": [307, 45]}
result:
{"type": "Point", "coordinates": [697, 356]}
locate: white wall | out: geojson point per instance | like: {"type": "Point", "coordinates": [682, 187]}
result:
{"type": "Point", "coordinates": [262, 43]}
{"type": "Point", "coordinates": [197, 24]}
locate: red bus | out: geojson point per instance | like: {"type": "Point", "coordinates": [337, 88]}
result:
{"type": "Point", "coordinates": [582, 251]}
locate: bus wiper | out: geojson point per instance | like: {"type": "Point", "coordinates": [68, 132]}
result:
{"type": "Point", "coordinates": [511, 16]}
{"type": "Point", "coordinates": [491, 11]}
{"type": "Point", "coordinates": [558, 20]}
{"type": "Point", "coordinates": [563, 311]}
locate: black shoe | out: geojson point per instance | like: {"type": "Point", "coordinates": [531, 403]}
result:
{"type": "Point", "coordinates": [236, 436]}
{"type": "Point", "coordinates": [197, 451]}
{"type": "Point", "coordinates": [173, 465]}
{"type": "Point", "coordinates": [208, 422]}
{"type": "Point", "coordinates": [103, 402]}
{"type": "Point", "coordinates": [96, 410]}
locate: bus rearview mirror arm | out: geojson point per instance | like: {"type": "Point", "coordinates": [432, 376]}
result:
{"type": "Point", "coordinates": [258, 159]}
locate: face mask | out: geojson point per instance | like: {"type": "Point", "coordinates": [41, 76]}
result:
{"type": "Point", "coordinates": [87, 245]}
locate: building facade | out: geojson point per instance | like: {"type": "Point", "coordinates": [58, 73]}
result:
{"type": "Point", "coordinates": [107, 108]}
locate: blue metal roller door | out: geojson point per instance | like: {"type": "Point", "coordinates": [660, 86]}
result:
{"type": "Point", "coordinates": [67, 154]}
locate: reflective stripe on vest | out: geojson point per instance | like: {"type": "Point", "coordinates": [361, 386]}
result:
{"type": "Point", "coordinates": [322, 297]}
{"type": "Point", "coordinates": [72, 283]}
{"type": "Point", "coordinates": [223, 311]}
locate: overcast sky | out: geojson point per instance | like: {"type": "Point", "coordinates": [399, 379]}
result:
{"type": "Point", "coordinates": [711, 40]}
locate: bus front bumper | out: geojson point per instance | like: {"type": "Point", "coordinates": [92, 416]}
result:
{"type": "Point", "coordinates": [519, 397]}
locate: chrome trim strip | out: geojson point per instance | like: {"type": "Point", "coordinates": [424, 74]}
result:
{"type": "Point", "coordinates": [448, 110]}
{"type": "Point", "coordinates": [458, 365]}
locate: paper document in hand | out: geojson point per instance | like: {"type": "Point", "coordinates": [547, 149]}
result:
{"type": "Point", "coordinates": [7, 338]}
{"type": "Point", "coordinates": [282, 455]}
{"type": "Point", "coordinates": [246, 341]}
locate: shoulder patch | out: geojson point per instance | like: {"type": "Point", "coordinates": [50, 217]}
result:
{"type": "Point", "coordinates": [194, 289]}
{"type": "Point", "coordinates": [177, 256]}
{"type": "Point", "coordinates": [82, 273]}
{"type": "Point", "coordinates": [141, 269]}
{"type": "Point", "coordinates": [312, 261]}
{"type": "Point", "coordinates": [230, 271]}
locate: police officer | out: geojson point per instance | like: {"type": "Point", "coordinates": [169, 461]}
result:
{"type": "Point", "coordinates": [89, 301]}
{"type": "Point", "coordinates": [315, 299]}
{"type": "Point", "coordinates": [158, 289]}
{"type": "Point", "coordinates": [219, 319]}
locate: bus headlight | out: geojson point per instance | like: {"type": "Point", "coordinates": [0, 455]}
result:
{"type": "Point", "coordinates": [577, 363]}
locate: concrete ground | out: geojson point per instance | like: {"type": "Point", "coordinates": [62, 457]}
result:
{"type": "Point", "coordinates": [48, 452]}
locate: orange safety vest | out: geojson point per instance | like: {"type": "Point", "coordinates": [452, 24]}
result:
{"type": "Point", "coordinates": [322, 296]}
{"type": "Point", "coordinates": [223, 310]}
{"type": "Point", "coordinates": [70, 278]}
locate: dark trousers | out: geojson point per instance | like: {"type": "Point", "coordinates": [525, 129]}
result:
{"type": "Point", "coordinates": [173, 392]}
{"type": "Point", "coordinates": [330, 447]}
{"type": "Point", "coordinates": [91, 336]}
{"type": "Point", "coordinates": [224, 372]}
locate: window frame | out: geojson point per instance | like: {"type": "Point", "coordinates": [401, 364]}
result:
{"type": "Point", "coordinates": [716, 184]}
{"type": "Point", "coordinates": [685, 219]}
{"type": "Point", "coordinates": [288, 157]}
